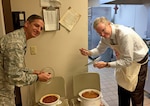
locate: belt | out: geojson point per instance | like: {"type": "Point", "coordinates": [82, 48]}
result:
{"type": "Point", "coordinates": [144, 59]}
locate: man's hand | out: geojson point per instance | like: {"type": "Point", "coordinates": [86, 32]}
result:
{"type": "Point", "coordinates": [100, 64]}
{"type": "Point", "coordinates": [37, 72]}
{"type": "Point", "coordinates": [85, 52]}
{"type": "Point", "coordinates": [44, 76]}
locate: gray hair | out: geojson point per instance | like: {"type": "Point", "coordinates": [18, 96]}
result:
{"type": "Point", "coordinates": [100, 20]}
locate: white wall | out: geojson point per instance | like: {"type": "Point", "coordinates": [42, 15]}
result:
{"type": "Point", "coordinates": [58, 49]}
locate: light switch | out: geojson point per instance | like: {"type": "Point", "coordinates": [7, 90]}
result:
{"type": "Point", "coordinates": [33, 50]}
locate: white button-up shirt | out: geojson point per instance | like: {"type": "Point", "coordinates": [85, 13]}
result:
{"type": "Point", "coordinates": [131, 45]}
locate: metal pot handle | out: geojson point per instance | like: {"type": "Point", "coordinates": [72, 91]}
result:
{"type": "Point", "coordinates": [79, 99]}
{"type": "Point", "coordinates": [59, 102]}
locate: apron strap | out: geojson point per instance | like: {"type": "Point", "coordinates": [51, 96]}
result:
{"type": "Point", "coordinates": [144, 60]}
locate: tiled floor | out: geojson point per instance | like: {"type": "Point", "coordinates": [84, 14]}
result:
{"type": "Point", "coordinates": [109, 86]}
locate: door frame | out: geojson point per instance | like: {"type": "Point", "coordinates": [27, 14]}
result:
{"type": "Point", "coordinates": [2, 25]}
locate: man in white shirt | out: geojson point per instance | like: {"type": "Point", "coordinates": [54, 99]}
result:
{"type": "Point", "coordinates": [131, 59]}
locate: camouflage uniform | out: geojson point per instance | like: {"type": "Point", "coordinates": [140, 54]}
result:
{"type": "Point", "coordinates": [12, 67]}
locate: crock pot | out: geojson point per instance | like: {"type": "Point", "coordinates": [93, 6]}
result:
{"type": "Point", "coordinates": [96, 101]}
{"type": "Point", "coordinates": [54, 103]}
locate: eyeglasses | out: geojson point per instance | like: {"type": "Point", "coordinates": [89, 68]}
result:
{"type": "Point", "coordinates": [102, 32]}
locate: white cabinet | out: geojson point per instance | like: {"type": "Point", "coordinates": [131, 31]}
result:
{"type": "Point", "coordinates": [148, 24]}
{"type": "Point", "coordinates": [147, 84]}
{"type": "Point", "coordinates": [93, 37]}
{"type": "Point", "coordinates": [94, 12]}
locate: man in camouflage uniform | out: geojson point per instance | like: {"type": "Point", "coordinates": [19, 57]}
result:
{"type": "Point", "coordinates": [13, 71]}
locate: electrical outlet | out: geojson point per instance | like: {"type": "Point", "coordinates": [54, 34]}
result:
{"type": "Point", "coordinates": [33, 50]}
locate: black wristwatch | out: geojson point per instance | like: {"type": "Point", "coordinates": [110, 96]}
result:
{"type": "Point", "coordinates": [107, 64]}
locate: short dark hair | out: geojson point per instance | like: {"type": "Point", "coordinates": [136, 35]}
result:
{"type": "Point", "coordinates": [32, 17]}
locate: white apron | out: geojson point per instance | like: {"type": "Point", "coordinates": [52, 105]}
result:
{"type": "Point", "coordinates": [127, 77]}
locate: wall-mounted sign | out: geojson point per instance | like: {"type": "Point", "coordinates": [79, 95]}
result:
{"type": "Point", "coordinates": [51, 18]}
{"type": "Point", "coordinates": [69, 19]}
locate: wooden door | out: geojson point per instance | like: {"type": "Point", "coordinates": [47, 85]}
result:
{"type": "Point", "coordinates": [7, 16]}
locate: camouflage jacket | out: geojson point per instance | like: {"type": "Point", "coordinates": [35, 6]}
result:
{"type": "Point", "coordinates": [12, 66]}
